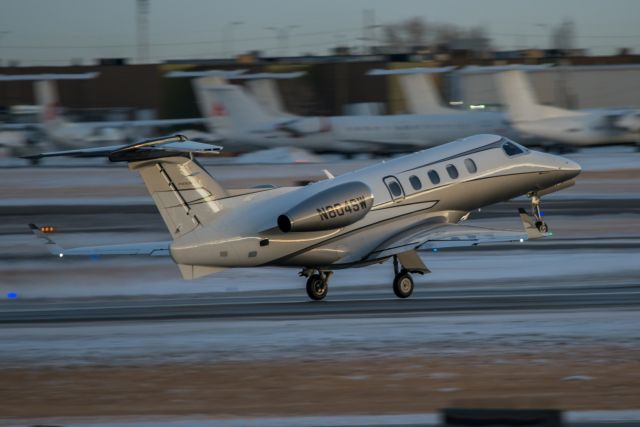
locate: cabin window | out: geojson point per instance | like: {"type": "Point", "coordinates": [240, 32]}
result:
{"type": "Point", "coordinates": [452, 171]}
{"type": "Point", "coordinates": [434, 177]}
{"type": "Point", "coordinates": [415, 182]}
{"type": "Point", "coordinates": [394, 187]}
{"type": "Point", "coordinates": [470, 165]}
{"type": "Point", "coordinates": [511, 149]}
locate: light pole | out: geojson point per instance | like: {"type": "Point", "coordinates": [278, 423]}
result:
{"type": "Point", "coordinates": [2, 34]}
{"type": "Point", "coordinates": [282, 37]}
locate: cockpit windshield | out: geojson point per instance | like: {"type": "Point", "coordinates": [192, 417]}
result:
{"type": "Point", "coordinates": [511, 148]}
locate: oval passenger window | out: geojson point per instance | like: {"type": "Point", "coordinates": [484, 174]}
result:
{"type": "Point", "coordinates": [415, 182]}
{"type": "Point", "coordinates": [470, 165]}
{"type": "Point", "coordinates": [434, 177]}
{"type": "Point", "coordinates": [452, 171]}
{"type": "Point", "coordinates": [396, 191]}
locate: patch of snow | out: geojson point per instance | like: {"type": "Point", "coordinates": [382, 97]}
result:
{"type": "Point", "coordinates": [577, 378]}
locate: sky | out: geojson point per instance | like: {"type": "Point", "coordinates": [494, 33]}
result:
{"type": "Point", "coordinates": [56, 32]}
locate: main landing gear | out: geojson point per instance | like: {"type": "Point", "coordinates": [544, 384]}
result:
{"type": "Point", "coordinates": [317, 283]}
{"type": "Point", "coordinates": [404, 264]}
{"type": "Point", "coordinates": [402, 281]}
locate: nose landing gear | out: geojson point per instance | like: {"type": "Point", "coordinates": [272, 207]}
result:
{"type": "Point", "coordinates": [540, 224]}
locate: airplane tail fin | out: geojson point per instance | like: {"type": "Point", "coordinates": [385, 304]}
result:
{"type": "Point", "coordinates": [229, 107]}
{"type": "Point", "coordinates": [47, 98]}
{"type": "Point", "coordinates": [521, 103]}
{"type": "Point", "coordinates": [266, 93]}
{"type": "Point", "coordinates": [421, 94]}
{"type": "Point", "coordinates": [185, 194]}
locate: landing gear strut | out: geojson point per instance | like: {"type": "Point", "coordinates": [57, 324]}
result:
{"type": "Point", "coordinates": [317, 283]}
{"type": "Point", "coordinates": [402, 282]}
{"type": "Point", "coordinates": [537, 214]}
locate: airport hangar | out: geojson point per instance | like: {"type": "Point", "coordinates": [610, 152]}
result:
{"type": "Point", "coordinates": [333, 82]}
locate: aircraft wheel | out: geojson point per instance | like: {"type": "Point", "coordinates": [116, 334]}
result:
{"type": "Point", "coordinates": [542, 227]}
{"type": "Point", "coordinates": [317, 287]}
{"type": "Point", "coordinates": [403, 285]}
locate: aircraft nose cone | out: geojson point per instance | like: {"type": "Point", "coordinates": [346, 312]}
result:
{"type": "Point", "coordinates": [571, 166]}
{"type": "Point", "coordinates": [569, 169]}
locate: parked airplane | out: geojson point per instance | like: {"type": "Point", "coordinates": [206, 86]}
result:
{"type": "Point", "coordinates": [387, 210]}
{"type": "Point", "coordinates": [61, 132]}
{"type": "Point", "coordinates": [236, 116]}
{"type": "Point", "coordinates": [592, 127]}
{"type": "Point", "coordinates": [262, 86]}
{"type": "Point", "coordinates": [420, 93]}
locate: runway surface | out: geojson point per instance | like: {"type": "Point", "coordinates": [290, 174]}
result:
{"type": "Point", "coordinates": [359, 304]}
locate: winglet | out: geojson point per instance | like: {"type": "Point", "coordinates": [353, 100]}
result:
{"type": "Point", "coordinates": [529, 226]}
{"type": "Point", "coordinates": [51, 246]}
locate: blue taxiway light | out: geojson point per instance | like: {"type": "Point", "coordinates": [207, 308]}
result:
{"type": "Point", "coordinates": [435, 249]}
{"type": "Point", "coordinates": [12, 295]}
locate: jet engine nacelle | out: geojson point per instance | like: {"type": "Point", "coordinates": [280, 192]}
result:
{"type": "Point", "coordinates": [332, 208]}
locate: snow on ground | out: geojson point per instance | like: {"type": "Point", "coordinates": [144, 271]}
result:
{"type": "Point", "coordinates": [212, 341]}
{"type": "Point", "coordinates": [122, 276]}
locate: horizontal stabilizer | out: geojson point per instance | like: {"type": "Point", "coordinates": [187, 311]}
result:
{"type": "Point", "coordinates": [405, 71]}
{"type": "Point", "coordinates": [480, 69]}
{"type": "Point", "coordinates": [148, 149]}
{"type": "Point", "coordinates": [147, 248]}
{"type": "Point", "coordinates": [47, 77]}
{"type": "Point", "coordinates": [270, 76]}
{"type": "Point", "coordinates": [226, 74]}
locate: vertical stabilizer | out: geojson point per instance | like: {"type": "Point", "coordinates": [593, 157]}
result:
{"type": "Point", "coordinates": [268, 96]}
{"type": "Point", "coordinates": [229, 107]}
{"type": "Point", "coordinates": [185, 194]}
{"type": "Point", "coordinates": [421, 94]}
{"type": "Point", "coordinates": [519, 98]}
{"type": "Point", "coordinates": [47, 99]}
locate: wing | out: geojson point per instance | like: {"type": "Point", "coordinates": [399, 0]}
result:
{"type": "Point", "coordinates": [406, 145]}
{"type": "Point", "coordinates": [177, 144]}
{"type": "Point", "coordinates": [20, 126]}
{"type": "Point", "coordinates": [453, 235]}
{"type": "Point", "coordinates": [145, 123]}
{"type": "Point", "coordinates": [149, 249]}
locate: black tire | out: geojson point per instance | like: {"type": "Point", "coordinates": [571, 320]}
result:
{"type": "Point", "coordinates": [317, 288]}
{"type": "Point", "coordinates": [403, 285]}
{"type": "Point", "coordinates": [542, 227]}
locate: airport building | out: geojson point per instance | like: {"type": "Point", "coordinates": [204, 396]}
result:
{"type": "Point", "coordinates": [333, 85]}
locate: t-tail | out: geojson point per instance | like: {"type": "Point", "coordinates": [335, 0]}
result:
{"type": "Point", "coordinates": [185, 194]}
{"type": "Point", "coordinates": [47, 99]}
{"type": "Point", "coordinates": [230, 108]}
{"type": "Point", "coordinates": [520, 101]}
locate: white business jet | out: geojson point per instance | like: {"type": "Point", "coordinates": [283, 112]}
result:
{"type": "Point", "coordinates": [385, 211]}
